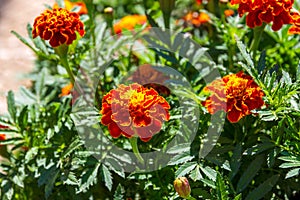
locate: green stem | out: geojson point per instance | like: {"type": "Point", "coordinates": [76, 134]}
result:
{"type": "Point", "coordinates": [135, 149]}
{"type": "Point", "coordinates": [256, 40]}
{"type": "Point", "coordinates": [62, 52]}
{"type": "Point", "coordinates": [166, 17]}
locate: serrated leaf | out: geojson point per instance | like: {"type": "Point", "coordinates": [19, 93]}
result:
{"type": "Point", "coordinates": [263, 188]}
{"type": "Point", "coordinates": [256, 149]}
{"type": "Point", "coordinates": [290, 158]}
{"type": "Point", "coordinates": [289, 165]}
{"type": "Point", "coordinates": [116, 166]}
{"type": "Point", "coordinates": [238, 197]}
{"type": "Point", "coordinates": [185, 168]}
{"type": "Point", "coordinates": [180, 158]}
{"type": "Point", "coordinates": [24, 41]}
{"type": "Point", "coordinates": [209, 172]}
{"type": "Point", "coordinates": [107, 177]}
{"type": "Point", "coordinates": [89, 178]}
{"type": "Point", "coordinates": [196, 174]}
{"type": "Point", "coordinates": [250, 173]}
{"type": "Point", "coordinates": [119, 193]}
{"type": "Point", "coordinates": [210, 183]}
{"type": "Point", "coordinates": [222, 193]}
{"type": "Point", "coordinates": [261, 62]}
{"type": "Point", "coordinates": [72, 147]}
{"type": "Point", "coordinates": [292, 173]}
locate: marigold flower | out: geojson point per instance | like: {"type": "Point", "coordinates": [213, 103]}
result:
{"type": "Point", "coordinates": [65, 91]}
{"type": "Point", "coordinates": [182, 187]}
{"type": "Point", "coordinates": [149, 77]}
{"type": "Point", "coordinates": [71, 5]}
{"type": "Point", "coordinates": [58, 25]}
{"type": "Point", "coordinates": [129, 23]}
{"type": "Point", "coordinates": [196, 19]}
{"type": "Point", "coordinates": [259, 11]}
{"type": "Point", "coordinates": [295, 28]}
{"type": "Point", "coordinates": [134, 111]}
{"type": "Point", "coordinates": [237, 94]}
{"type": "Point", "coordinates": [228, 12]}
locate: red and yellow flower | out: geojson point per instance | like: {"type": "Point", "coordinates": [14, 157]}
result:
{"type": "Point", "coordinates": [2, 137]}
{"type": "Point", "coordinates": [259, 11]}
{"type": "Point", "coordinates": [71, 5]}
{"type": "Point", "coordinates": [134, 111]}
{"type": "Point", "coordinates": [129, 23]}
{"type": "Point", "coordinates": [59, 26]}
{"type": "Point", "coordinates": [236, 94]}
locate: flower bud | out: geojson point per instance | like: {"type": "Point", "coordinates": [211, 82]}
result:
{"type": "Point", "coordinates": [182, 187]}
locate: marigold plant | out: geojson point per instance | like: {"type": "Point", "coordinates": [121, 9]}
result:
{"type": "Point", "coordinates": [196, 19]}
{"type": "Point", "coordinates": [71, 5]}
{"type": "Point", "coordinates": [237, 94]}
{"type": "Point", "coordinates": [59, 26]}
{"type": "Point", "coordinates": [134, 110]}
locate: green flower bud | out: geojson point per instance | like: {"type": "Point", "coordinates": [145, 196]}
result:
{"type": "Point", "coordinates": [182, 187]}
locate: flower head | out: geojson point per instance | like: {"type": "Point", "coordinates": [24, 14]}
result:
{"type": "Point", "coordinates": [134, 111]}
{"type": "Point", "coordinates": [65, 91]}
{"type": "Point", "coordinates": [58, 25]}
{"type": "Point", "coordinates": [129, 22]}
{"type": "Point", "coordinates": [71, 5]}
{"type": "Point", "coordinates": [182, 187]}
{"type": "Point", "coordinates": [237, 94]}
{"type": "Point", "coordinates": [259, 11]}
{"type": "Point", "coordinates": [196, 19]}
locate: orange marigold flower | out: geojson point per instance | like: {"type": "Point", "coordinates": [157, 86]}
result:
{"type": "Point", "coordinates": [71, 5]}
{"type": "Point", "coordinates": [228, 12]}
{"type": "Point", "coordinates": [196, 19]}
{"type": "Point", "coordinates": [237, 94]}
{"type": "Point", "coordinates": [295, 28]}
{"type": "Point", "coordinates": [58, 25]}
{"type": "Point", "coordinates": [65, 91]}
{"type": "Point", "coordinates": [129, 22]}
{"type": "Point", "coordinates": [134, 111]}
{"type": "Point", "coordinates": [149, 77]}
{"type": "Point", "coordinates": [259, 11]}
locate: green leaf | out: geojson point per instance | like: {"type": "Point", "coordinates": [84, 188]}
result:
{"type": "Point", "coordinates": [210, 183]}
{"type": "Point", "coordinates": [31, 153]}
{"type": "Point", "coordinates": [288, 165]}
{"type": "Point", "coordinates": [116, 166]}
{"type": "Point", "coordinates": [11, 106]}
{"type": "Point", "coordinates": [209, 172]}
{"type": "Point", "coordinates": [298, 72]}
{"type": "Point", "coordinates": [196, 174]}
{"type": "Point", "coordinates": [180, 158]}
{"type": "Point", "coordinates": [235, 161]}
{"type": "Point", "coordinates": [263, 188]}
{"type": "Point", "coordinates": [72, 147]}
{"type": "Point", "coordinates": [292, 173]}
{"type": "Point", "coordinates": [119, 193]}
{"type": "Point", "coordinates": [261, 62]}
{"type": "Point", "coordinates": [185, 168]}
{"type": "Point", "coordinates": [89, 178]}
{"type": "Point", "coordinates": [238, 197]}
{"type": "Point", "coordinates": [107, 178]}
{"type": "Point", "coordinates": [222, 193]}
{"type": "Point", "coordinates": [24, 41]}
{"type": "Point", "coordinates": [256, 149]}
{"type": "Point", "coordinates": [250, 173]}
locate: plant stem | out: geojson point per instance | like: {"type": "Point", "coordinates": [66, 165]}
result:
{"type": "Point", "coordinates": [135, 149]}
{"type": "Point", "coordinates": [62, 52]}
{"type": "Point", "coordinates": [256, 40]}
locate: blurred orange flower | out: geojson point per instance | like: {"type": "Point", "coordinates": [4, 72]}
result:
{"type": "Point", "coordinates": [65, 91]}
{"type": "Point", "coordinates": [196, 19]}
{"type": "Point", "coordinates": [237, 94]}
{"type": "Point", "coordinates": [259, 11]}
{"type": "Point", "coordinates": [58, 25]}
{"type": "Point", "coordinates": [2, 137]}
{"type": "Point", "coordinates": [228, 12]}
{"type": "Point", "coordinates": [149, 77]}
{"type": "Point", "coordinates": [295, 28]}
{"type": "Point", "coordinates": [129, 22]}
{"type": "Point", "coordinates": [134, 110]}
{"type": "Point", "coordinates": [71, 5]}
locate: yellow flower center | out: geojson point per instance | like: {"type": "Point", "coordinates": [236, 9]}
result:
{"type": "Point", "coordinates": [136, 98]}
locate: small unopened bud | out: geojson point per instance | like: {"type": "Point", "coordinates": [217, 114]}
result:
{"type": "Point", "coordinates": [108, 10]}
{"type": "Point", "coordinates": [182, 187]}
